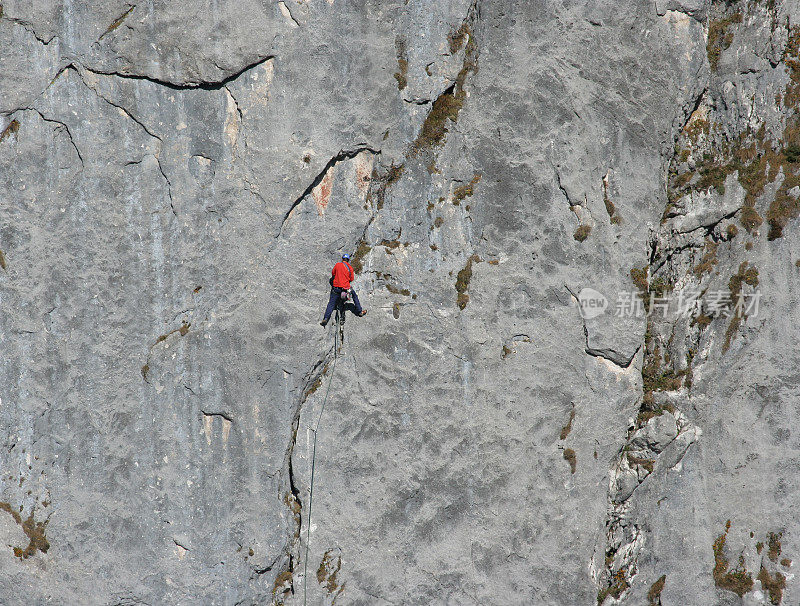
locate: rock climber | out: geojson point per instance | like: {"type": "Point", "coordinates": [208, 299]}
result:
{"type": "Point", "coordinates": [341, 276]}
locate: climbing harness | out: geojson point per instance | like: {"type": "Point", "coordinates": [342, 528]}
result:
{"type": "Point", "coordinates": [338, 337]}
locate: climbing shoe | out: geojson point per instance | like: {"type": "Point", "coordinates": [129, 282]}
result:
{"type": "Point", "coordinates": [363, 312]}
{"type": "Point", "coordinates": [324, 323]}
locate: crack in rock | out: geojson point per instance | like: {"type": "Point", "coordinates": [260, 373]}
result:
{"type": "Point", "coordinates": [190, 84]}
{"type": "Point", "coordinates": [610, 354]}
{"type": "Point", "coordinates": [28, 27]}
{"type": "Point", "coordinates": [223, 415]}
{"type": "Point", "coordinates": [288, 14]}
{"type": "Point", "coordinates": [117, 22]}
{"type": "Point", "coordinates": [650, 450]}
{"type": "Point", "coordinates": [63, 127]}
{"type": "Point", "coordinates": [339, 157]}
{"type": "Point", "coordinates": [128, 114]}
{"type": "Point", "coordinates": [292, 499]}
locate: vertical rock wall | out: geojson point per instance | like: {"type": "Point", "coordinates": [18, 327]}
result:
{"type": "Point", "coordinates": [176, 181]}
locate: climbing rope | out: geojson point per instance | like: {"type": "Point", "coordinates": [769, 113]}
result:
{"type": "Point", "coordinates": [337, 327]}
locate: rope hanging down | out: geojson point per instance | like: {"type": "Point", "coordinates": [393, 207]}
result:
{"type": "Point", "coordinates": [314, 451]}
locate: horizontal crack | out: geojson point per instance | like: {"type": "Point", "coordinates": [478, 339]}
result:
{"type": "Point", "coordinates": [190, 85]}
{"type": "Point", "coordinates": [223, 415]}
{"type": "Point", "coordinates": [608, 354]}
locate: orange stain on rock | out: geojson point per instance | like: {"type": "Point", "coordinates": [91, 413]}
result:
{"type": "Point", "coordinates": [322, 192]}
{"type": "Point", "coordinates": [364, 162]}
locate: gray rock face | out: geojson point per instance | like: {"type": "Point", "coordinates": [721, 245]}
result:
{"type": "Point", "coordinates": [176, 181]}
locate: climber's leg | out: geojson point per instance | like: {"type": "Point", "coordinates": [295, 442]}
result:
{"type": "Point", "coordinates": [357, 303]}
{"type": "Point", "coordinates": [332, 301]}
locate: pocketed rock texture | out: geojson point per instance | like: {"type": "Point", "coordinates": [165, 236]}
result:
{"type": "Point", "coordinates": [177, 180]}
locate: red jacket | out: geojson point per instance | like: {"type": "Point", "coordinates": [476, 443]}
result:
{"type": "Point", "coordinates": [342, 275]}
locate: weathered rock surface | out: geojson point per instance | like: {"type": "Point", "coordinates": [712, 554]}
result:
{"type": "Point", "coordinates": [176, 180]}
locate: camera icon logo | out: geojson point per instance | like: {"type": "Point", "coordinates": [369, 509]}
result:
{"type": "Point", "coordinates": [591, 303]}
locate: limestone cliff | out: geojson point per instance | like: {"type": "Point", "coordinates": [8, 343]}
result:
{"type": "Point", "coordinates": [177, 179]}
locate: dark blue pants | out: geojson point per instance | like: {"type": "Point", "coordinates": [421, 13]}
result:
{"type": "Point", "coordinates": [336, 294]}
